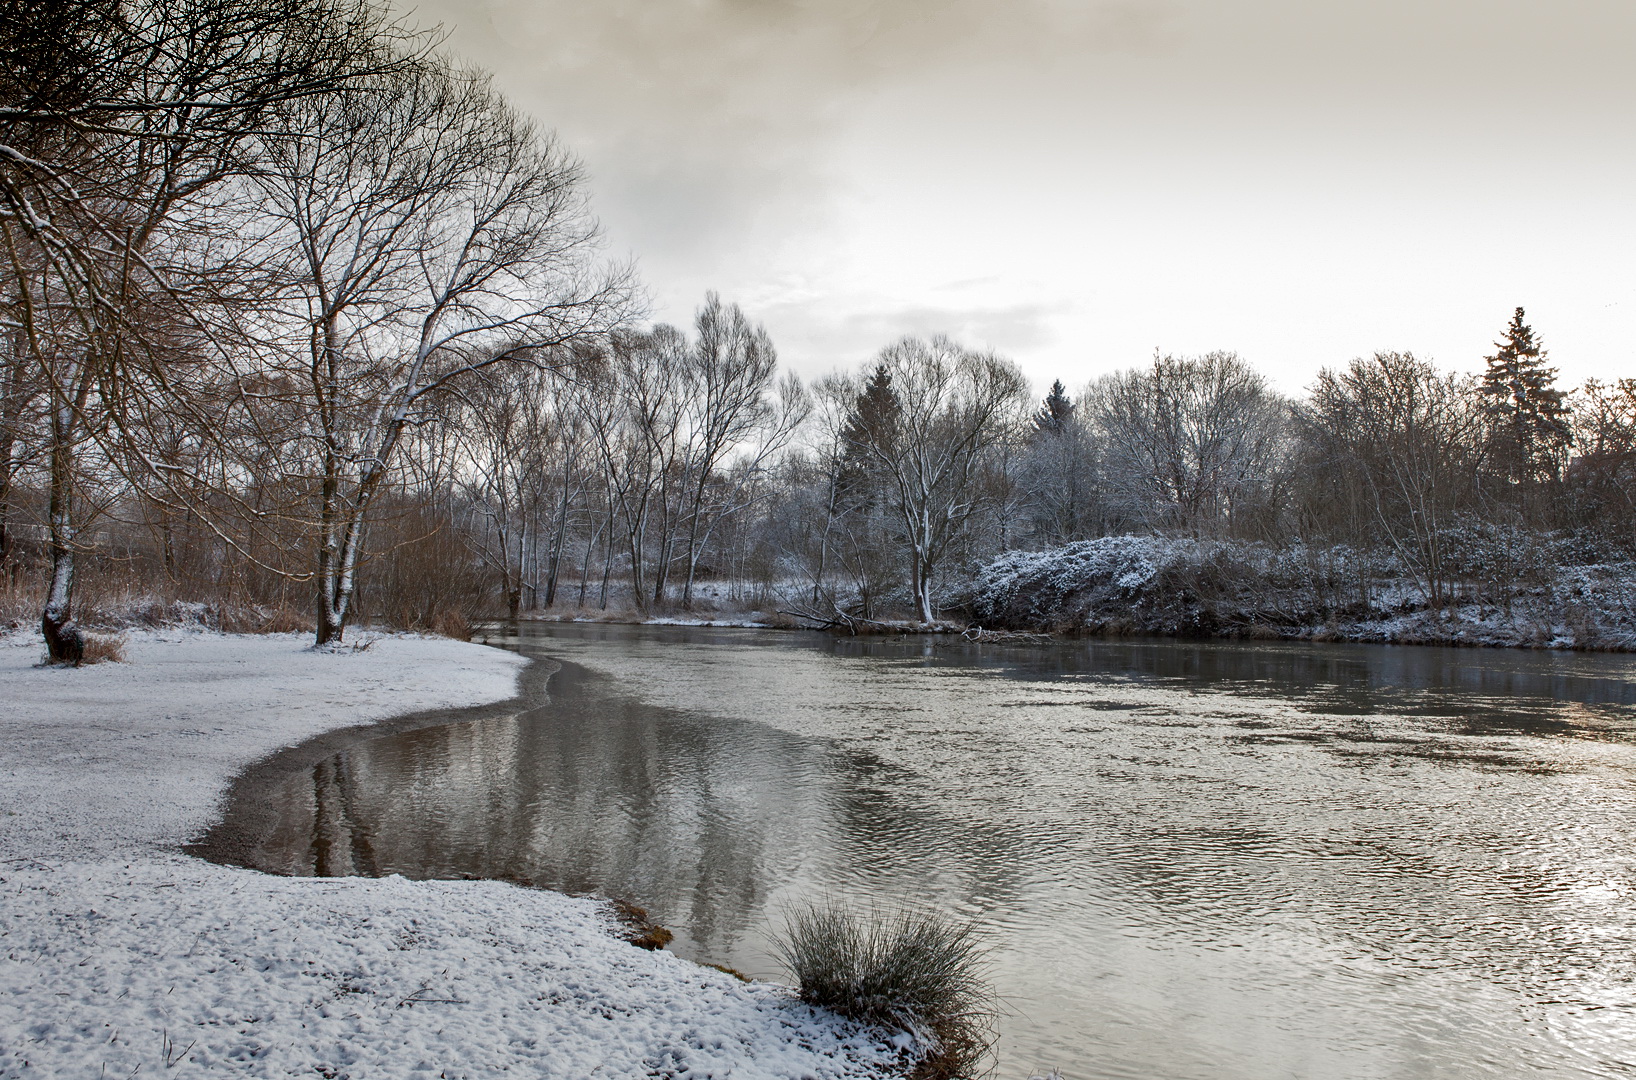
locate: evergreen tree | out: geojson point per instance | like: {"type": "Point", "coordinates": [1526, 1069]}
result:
{"type": "Point", "coordinates": [1057, 472]}
{"type": "Point", "coordinates": [1056, 413]}
{"type": "Point", "coordinates": [869, 531]}
{"type": "Point", "coordinates": [1528, 418]}
{"type": "Point", "coordinates": [871, 429]}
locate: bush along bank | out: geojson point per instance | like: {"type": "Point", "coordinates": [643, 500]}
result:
{"type": "Point", "coordinates": [1166, 586]}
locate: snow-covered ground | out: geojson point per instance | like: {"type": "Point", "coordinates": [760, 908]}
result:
{"type": "Point", "coordinates": [120, 957]}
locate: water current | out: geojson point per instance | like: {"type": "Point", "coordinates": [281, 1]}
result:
{"type": "Point", "coordinates": [1190, 860]}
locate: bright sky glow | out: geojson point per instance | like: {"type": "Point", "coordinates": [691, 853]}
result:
{"type": "Point", "coordinates": [1077, 184]}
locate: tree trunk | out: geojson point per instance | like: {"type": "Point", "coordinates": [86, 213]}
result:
{"type": "Point", "coordinates": [554, 561]}
{"type": "Point", "coordinates": [922, 574]}
{"type": "Point", "coordinates": [661, 572]}
{"type": "Point", "coordinates": [343, 537]}
{"type": "Point", "coordinates": [331, 625]}
{"type": "Point", "coordinates": [585, 564]}
{"type": "Point", "coordinates": [63, 640]}
{"type": "Point", "coordinates": [607, 568]}
{"type": "Point", "coordinates": [693, 542]}
{"type": "Point", "coordinates": [12, 407]}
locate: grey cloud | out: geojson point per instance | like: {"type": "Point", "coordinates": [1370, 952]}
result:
{"type": "Point", "coordinates": [693, 114]}
{"type": "Point", "coordinates": [817, 337]}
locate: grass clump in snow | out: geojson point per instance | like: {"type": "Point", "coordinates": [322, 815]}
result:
{"type": "Point", "coordinates": [103, 649]}
{"type": "Point", "coordinates": [912, 970]}
{"type": "Point", "coordinates": [632, 924]}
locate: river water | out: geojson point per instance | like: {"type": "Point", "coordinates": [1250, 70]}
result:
{"type": "Point", "coordinates": [1190, 860]}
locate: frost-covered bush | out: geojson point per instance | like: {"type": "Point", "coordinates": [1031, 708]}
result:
{"type": "Point", "coordinates": [1499, 556]}
{"type": "Point", "coordinates": [1509, 587]}
{"type": "Point", "coordinates": [1150, 584]}
{"type": "Point", "coordinates": [1039, 587]}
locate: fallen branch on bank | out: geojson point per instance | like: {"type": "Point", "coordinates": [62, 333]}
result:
{"type": "Point", "coordinates": [855, 625]}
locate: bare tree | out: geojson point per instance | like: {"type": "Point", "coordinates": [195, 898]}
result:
{"type": "Point", "coordinates": [956, 406]}
{"type": "Point", "coordinates": [437, 234]}
{"type": "Point", "coordinates": [506, 430]}
{"type": "Point", "coordinates": [635, 413]}
{"type": "Point", "coordinates": [731, 388]}
{"type": "Point", "coordinates": [835, 499]}
{"type": "Point", "coordinates": [1186, 440]}
{"type": "Point", "coordinates": [1602, 476]}
{"type": "Point", "coordinates": [1407, 440]}
{"type": "Point", "coordinates": [115, 118]}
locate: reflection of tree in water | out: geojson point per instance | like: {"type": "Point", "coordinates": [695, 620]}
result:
{"type": "Point", "coordinates": [339, 846]}
{"type": "Point", "coordinates": [698, 818]}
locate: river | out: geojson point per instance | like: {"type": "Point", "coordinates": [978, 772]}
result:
{"type": "Point", "coordinates": [1223, 861]}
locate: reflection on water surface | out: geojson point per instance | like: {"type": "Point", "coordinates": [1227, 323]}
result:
{"type": "Point", "coordinates": [1193, 859]}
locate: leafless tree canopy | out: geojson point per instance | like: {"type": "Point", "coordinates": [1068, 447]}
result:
{"type": "Point", "coordinates": [1188, 442]}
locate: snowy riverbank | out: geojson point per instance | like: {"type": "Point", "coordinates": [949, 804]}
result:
{"type": "Point", "coordinates": [1166, 586]}
{"type": "Point", "coordinates": [117, 952]}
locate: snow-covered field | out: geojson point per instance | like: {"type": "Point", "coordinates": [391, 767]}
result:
{"type": "Point", "coordinates": [120, 957]}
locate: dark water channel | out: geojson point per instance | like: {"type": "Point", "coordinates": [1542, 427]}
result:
{"type": "Point", "coordinates": [1193, 860]}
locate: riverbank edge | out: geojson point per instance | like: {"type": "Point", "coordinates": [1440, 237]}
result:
{"type": "Point", "coordinates": [1400, 630]}
{"type": "Point", "coordinates": [244, 809]}
{"type": "Point", "coordinates": [43, 897]}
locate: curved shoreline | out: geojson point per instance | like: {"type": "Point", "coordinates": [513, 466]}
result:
{"type": "Point", "coordinates": [245, 806]}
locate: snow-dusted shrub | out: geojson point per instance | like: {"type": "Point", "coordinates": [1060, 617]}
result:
{"type": "Point", "coordinates": [913, 971]}
{"type": "Point", "coordinates": [1499, 556]}
{"type": "Point", "coordinates": [1149, 584]}
{"type": "Point", "coordinates": [1509, 588]}
{"type": "Point", "coordinates": [1037, 587]}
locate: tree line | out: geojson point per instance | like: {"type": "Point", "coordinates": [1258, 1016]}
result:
{"type": "Point", "coordinates": [666, 459]}
{"type": "Point", "coordinates": [1464, 486]}
{"type": "Point", "coordinates": [305, 322]}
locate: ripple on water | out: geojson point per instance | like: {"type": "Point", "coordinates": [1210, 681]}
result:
{"type": "Point", "coordinates": [1192, 860]}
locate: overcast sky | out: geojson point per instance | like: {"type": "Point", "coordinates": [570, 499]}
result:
{"type": "Point", "coordinates": [1077, 184]}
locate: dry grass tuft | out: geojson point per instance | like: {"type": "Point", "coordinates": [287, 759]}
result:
{"type": "Point", "coordinates": [913, 970]}
{"type": "Point", "coordinates": [103, 649]}
{"type": "Point", "coordinates": [452, 624]}
{"type": "Point", "coordinates": [636, 927]}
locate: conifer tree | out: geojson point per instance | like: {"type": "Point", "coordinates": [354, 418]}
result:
{"type": "Point", "coordinates": [868, 438]}
{"type": "Point", "coordinates": [1528, 418]}
{"type": "Point", "coordinates": [1057, 471]}
{"type": "Point", "coordinates": [1056, 412]}
{"type": "Point", "coordinates": [871, 429]}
